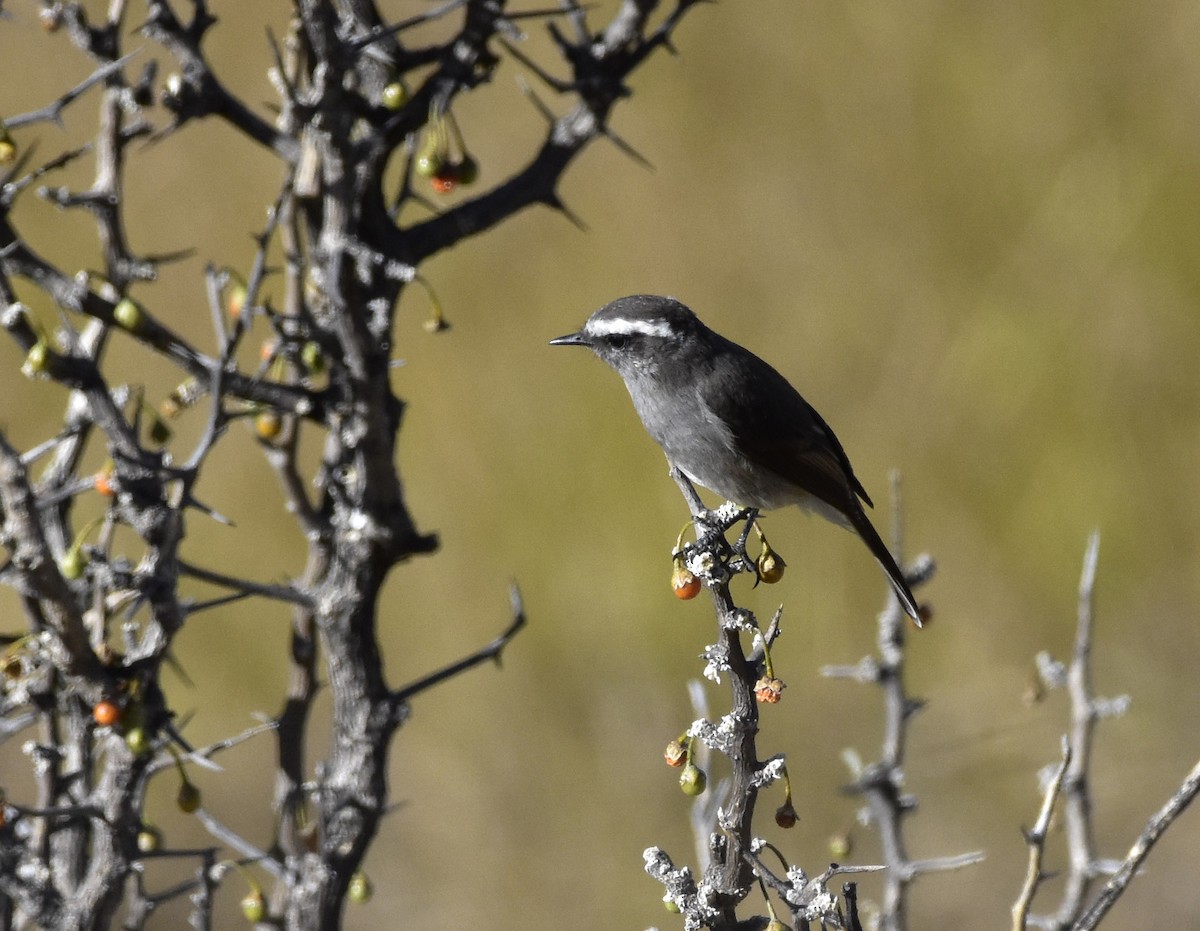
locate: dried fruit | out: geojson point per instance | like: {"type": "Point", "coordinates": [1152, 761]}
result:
{"type": "Point", "coordinates": [785, 815]}
{"type": "Point", "coordinates": [769, 689]}
{"type": "Point", "coordinates": [675, 754]}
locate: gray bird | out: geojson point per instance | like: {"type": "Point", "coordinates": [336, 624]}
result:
{"type": "Point", "coordinates": [728, 420]}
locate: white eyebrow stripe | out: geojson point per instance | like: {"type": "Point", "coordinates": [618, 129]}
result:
{"type": "Point", "coordinates": [617, 326]}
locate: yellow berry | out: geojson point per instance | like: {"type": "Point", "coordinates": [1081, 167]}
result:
{"type": "Point", "coordinates": [360, 889]}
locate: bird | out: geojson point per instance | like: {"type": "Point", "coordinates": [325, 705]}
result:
{"type": "Point", "coordinates": [729, 421]}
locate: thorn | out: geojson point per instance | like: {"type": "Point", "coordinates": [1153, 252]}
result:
{"type": "Point", "coordinates": [555, 203]}
{"type": "Point", "coordinates": [627, 148]}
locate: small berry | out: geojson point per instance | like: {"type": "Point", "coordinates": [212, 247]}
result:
{"type": "Point", "coordinates": [268, 424]}
{"type": "Point", "coordinates": [775, 925]}
{"type": "Point", "coordinates": [266, 352]}
{"type": "Point", "coordinates": [8, 150]}
{"type": "Point", "coordinates": [72, 564]}
{"type": "Point", "coordinates": [785, 815]}
{"type": "Point", "coordinates": [467, 170]}
{"type": "Point", "coordinates": [685, 585]}
{"type": "Point", "coordinates": [37, 360]}
{"type": "Point", "coordinates": [149, 838]}
{"type": "Point", "coordinates": [137, 740]}
{"type": "Point", "coordinates": [769, 690]}
{"type": "Point", "coordinates": [106, 713]}
{"type": "Point", "coordinates": [312, 357]}
{"type": "Point", "coordinates": [670, 904]}
{"type": "Point", "coordinates": [429, 160]}
{"type": "Point", "coordinates": [360, 889]}
{"type": "Point", "coordinates": [445, 180]}
{"type": "Point", "coordinates": [770, 566]}
{"type": "Point", "coordinates": [254, 906]}
{"type": "Point", "coordinates": [675, 754]}
{"type": "Point", "coordinates": [188, 797]}
{"type": "Point", "coordinates": [128, 315]}
{"type": "Point", "coordinates": [159, 431]}
{"type": "Point", "coordinates": [51, 17]}
{"type": "Point", "coordinates": [841, 845]}
{"type": "Point", "coordinates": [102, 482]}
{"type": "Point", "coordinates": [235, 299]}
{"type": "Point", "coordinates": [692, 780]}
{"type": "Point", "coordinates": [394, 96]}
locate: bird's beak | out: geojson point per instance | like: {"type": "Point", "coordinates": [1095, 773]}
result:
{"type": "Point", "coordinates": [571, 339]}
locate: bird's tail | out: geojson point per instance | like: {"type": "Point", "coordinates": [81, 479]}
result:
{"type": "Point", "coordinates": [866, 530]}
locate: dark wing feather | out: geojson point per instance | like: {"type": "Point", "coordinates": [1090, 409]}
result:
{"type": "Point", "coordinates": [779, 430]}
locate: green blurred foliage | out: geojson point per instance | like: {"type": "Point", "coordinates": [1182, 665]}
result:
{"type": "Point", "coordinates": [964, 231]}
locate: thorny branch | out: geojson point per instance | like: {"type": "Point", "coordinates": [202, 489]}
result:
{"type": "Point", "coordinates": [735, 862]}
{"type": "Point", "coordinates": [882, 783]}
{"type": "Point", "coordinates": [357, 95]}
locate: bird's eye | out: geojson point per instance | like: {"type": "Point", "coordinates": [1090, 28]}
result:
{"type": "Point", "coordinates": [618, 340]}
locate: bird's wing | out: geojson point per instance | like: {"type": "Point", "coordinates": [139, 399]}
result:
{"type": "Point", "coordinates": [778, 429]}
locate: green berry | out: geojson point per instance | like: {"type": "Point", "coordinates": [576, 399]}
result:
{"type": "Point", "coordinates": [468, 170]}
{"type": "Point", "coordinates": [137, 740]}
{"type": "Point", "coordinates": [188, 797]}
{"type": "Point", "coordinates": [73, 563]}
{"type": "Point", "coordinates": [692, 780]}
{"type": "Point", "coordinates": [394, 96]}
{"type": "Point", "coordinates": [128, 315]}
{"type": "Point", "coordinates": [36, 360]}
{"type": "Point", "coordinates": [254, 906]}
{"type": "Point", "coordinates": [428, 164]}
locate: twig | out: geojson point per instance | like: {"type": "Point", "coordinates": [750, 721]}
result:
{"type": "Point", "coordinates": [1154, 829]}
{"type": "Point", "coordinates": [1035, 837]}
{"type": "Point", "coordinates": [288, 593]}
{"type": "Point", "coordinates": [491, 651]}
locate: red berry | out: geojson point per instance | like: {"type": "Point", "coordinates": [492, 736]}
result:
{"type": "Point", "coordinates": [444, 181]}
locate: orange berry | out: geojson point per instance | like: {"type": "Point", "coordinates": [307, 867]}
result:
{"type": "Point", "coordinates": [106, 713]}
{"type": "Point", "coordinates": [102, 482]}
{"type": "Point", "coordinates": [683, 583]}
{"type": "Point", "coordinates": [268, 424]}
{"type": "Point", "coordinates": [235, 300]}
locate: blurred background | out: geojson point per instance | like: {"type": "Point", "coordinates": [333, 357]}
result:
{"type": "Point", "coordinates": [965, 232]}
